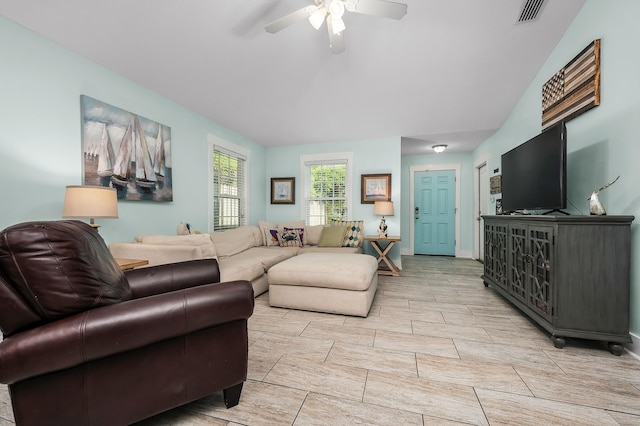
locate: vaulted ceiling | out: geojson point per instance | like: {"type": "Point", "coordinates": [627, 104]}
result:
{"type": "Point", "coordinates": [450, 71]}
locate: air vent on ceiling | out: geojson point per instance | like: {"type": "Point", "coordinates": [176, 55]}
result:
{"type": "Point", "coordinates": [530, 10]}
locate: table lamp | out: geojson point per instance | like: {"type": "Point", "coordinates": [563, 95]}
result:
{"type": "Point", "coordinates": [383, 208]}
{"type": "Point", "coordinates": [90, 202]}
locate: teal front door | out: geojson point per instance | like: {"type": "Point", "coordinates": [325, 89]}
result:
{"type": "Point", "coordinates": [434, 212]}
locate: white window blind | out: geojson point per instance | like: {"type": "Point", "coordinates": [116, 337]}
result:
{"type": "Point", "coordinates": [229, 189]}
{"type": "Point", "coordinates": [327, 192]}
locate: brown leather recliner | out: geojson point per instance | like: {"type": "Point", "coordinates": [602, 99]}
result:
{"type": "Point", "coordinates": [85, 343]}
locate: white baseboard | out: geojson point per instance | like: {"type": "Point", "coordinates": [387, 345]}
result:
{"type": "Point", "coordinates": [634, 347]}
{"type": "Point", "coordinates": [462, 254]}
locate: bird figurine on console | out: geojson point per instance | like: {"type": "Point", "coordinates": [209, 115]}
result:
{"type": "Point", "coordinates": [595, 206]}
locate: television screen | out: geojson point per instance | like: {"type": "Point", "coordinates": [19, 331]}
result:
{"type": "Point", "coordinates": [534, 174]}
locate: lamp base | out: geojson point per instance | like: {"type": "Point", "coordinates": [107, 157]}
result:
{"type": "Point", "coordinates": [382, 228]}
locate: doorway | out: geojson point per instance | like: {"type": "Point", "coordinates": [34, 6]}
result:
{"type": "Point", "coordinates": [481, 207]}
{"type": "Point", "coordinates": [434, 212]}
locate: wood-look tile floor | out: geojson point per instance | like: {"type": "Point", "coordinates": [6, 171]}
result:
{"type": "Point", "coordinates": [437, 348]}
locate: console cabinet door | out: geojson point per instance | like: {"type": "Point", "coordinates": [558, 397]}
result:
{"type": "Point", "coordinates": [495, 253]}
{"type": "Point", "coordinates": [540, 294]}
{"type": "Point", "coordinates": [517, 263]}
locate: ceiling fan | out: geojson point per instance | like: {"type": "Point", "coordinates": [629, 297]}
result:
{"type": "Point", "coordinates": [333, 11]}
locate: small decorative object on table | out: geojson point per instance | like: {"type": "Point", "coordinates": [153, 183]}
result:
{"type": "Point", "coordinates": [595, 206]}
{"type": "Point", "coordinates": [382, 208]}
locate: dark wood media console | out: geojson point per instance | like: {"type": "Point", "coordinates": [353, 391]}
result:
{"type": "Point", "coordinates": [570, 274]}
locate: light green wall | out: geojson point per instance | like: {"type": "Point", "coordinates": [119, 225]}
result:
{"type": "Point", "coordinates": [604, 142]}
{"type": "Point", "coordinates": [464, 246]}
{"type": "Point", "coordinates": [369, 156]}
{"type": "Point", "coordinates": [40, 139]}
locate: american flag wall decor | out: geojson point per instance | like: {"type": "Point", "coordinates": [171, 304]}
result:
{"type": "Point", "coordinates": [574, 89]}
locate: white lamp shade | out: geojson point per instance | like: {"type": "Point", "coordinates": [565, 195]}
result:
{"type": "Point", "coordinates": [439, 148]}
{"type": "Point", "coordinates": [89, 202]}
{"type": "Point", "coordinates": [317, 17]}
{"type": "Point", "coordinates": [383, 208]}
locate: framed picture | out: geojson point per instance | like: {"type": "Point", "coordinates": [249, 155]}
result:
{"type": "Point", "coordinates": [126, 152]}
{"type": "Point", "coordinates": [495, 184]}
{"type": "Point", "coordinates": [283, 190]}
{"type": "Point", "coordinates": [375, 188]}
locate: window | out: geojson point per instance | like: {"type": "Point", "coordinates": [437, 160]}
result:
{"type": "Point", "coordinates": [327, 184]}
{"type": "Point", "coordinates": [228, 177]}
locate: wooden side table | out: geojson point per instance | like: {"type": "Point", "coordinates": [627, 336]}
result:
{"type": "Point", "coordinates": [389, 268]}
{"type": "Point", "coordinates": [130, 263]}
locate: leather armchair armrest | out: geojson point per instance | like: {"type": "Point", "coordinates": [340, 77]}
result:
{"type": "Point", "coordinates": [172, 276]}
{"type": "Point", "coordinates": [121, 327]}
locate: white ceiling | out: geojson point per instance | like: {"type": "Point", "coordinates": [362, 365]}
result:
{"type": "Point", "coordinates": [449, 72]}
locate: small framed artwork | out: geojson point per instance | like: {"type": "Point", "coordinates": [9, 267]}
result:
{"type": "Point", "coordinates": [495, 184]}
{"type": "Point", "coordinates": [375, 188]}
{"type": "Point", "coordinates": [283, 190]}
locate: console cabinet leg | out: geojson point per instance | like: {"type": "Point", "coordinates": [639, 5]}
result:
{"type": "Point", "coordinates": [616, 348]}
{"type": "Point", "coordinates": [558, 341]}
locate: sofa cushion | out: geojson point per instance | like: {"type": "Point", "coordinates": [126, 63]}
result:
{"type": "Point", "coordinates": [233, 241]}
{"type": "Point", "coordinates": [258, 237]}
{"type": "Point", "coordinates": [61, 267]}
{"type": "Point", "coordinates": [318, 249]}
{"type": "Point", "coordinates": [269, 256]}
{"type": "Point", "coordinates": [312, 234]}
{"type": "Point", "coordinates": [203, 241]}
{"type": "Point", "coordinates": [332, 236]}
{"type": "Point", "coordinates": [240, 267]}
{"type": "Point", "coordinates": [289, 238]}
{"type": "Point", "coordinates": [354, 234]}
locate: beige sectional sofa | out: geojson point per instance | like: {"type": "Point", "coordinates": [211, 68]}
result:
{"type": "Point", "coordinates": [244, 253]}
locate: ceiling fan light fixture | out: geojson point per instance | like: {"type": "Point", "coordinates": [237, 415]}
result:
{"type": "Point", "coordinates": [336, 9]}
{"type": "Point", "coordinates": [351, 5]}
{"type": "Point", "coordinates": [337, 25]}
{"type": "Point", "coordinates": [317, 17]}
{"type": "Point", "coordinates": [439, 148]}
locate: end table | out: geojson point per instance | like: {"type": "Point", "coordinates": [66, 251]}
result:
{"type": "Point", "coordinates": [130, 263]}
{"type": "Point", "coordinates": [389, 268]}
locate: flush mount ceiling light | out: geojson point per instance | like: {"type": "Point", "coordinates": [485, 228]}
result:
{"type": "Point", "coordinates": [439, 148]}
{"type": "Point", "coordinates": [333, 11]}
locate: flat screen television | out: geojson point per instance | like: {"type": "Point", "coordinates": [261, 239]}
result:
{"type": "Point", "coordinates": [534, 174]}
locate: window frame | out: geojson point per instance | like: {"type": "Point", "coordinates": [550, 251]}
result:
{"type": "Point", "coordinates": [232, 149]}
{"type": "Point", "coordinates": [306, 161]}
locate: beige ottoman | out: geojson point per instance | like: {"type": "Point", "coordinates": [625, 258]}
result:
{"type": "Point", "coordinates": [325, 282]}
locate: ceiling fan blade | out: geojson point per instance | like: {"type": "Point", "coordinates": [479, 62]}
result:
{"type": "Point", "coordinates": [336, 41]}
{"type": "Point", "coordinates": [289, 19]}
{"type": "Point", "coordinates": [386, 9]}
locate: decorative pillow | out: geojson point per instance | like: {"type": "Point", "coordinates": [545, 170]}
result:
{"type": "Point", "coordinates": [183, 229]}
{"type": "Point", "coordinates": [353, 236]}
{"type": "Point", "coordinates": [271, 236]}
{"type": "Point", "coordinates": [300, 231]}
{"type": "Point", "coordinates": [312, 234]}
{"type": "Point", "coordinates": [264, 226]}
{"type": "Point", "coordinates": [332, 236]}
{"type": "Point", "coordinates": [290, 238]}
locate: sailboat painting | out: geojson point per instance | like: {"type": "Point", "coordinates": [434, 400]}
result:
{"type": "Point", "coordinates": [125, 151]}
